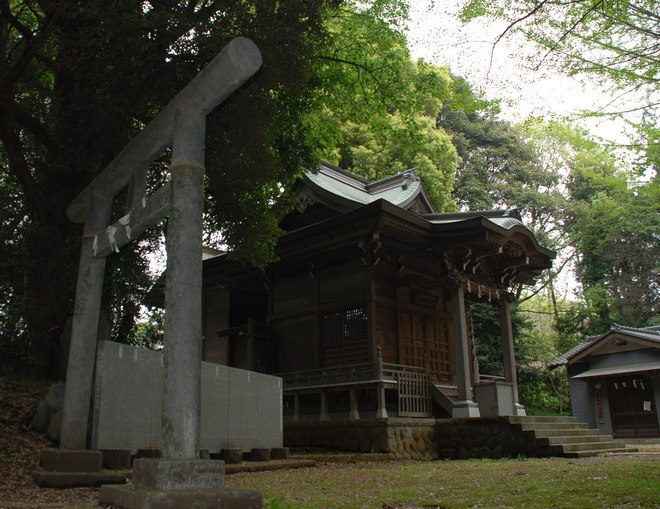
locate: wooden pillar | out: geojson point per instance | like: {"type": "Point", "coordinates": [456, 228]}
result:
{"type": "Point", "coordinates": [249, 344]}
{"type": "Point", "coordinates": [508, 355]}
{"type": "Point", "coordinates": [296, 407]}
{"type": "Point", "coordinates": [381, 411]}
{"type": "Point", "coordinates": [353, 413]}
{"type": "Point", "coordinates": [324, 407]}
{"type": "Point", "coordinates": [464, 407]}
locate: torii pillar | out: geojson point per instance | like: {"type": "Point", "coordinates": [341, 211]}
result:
{"type": "Point", "coordinates": [180, 478]}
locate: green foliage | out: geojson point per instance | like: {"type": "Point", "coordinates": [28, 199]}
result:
{"type": "Point", "coordinates": [396, 144]}
{"type": "Point", "coordinates": [615, 228]}
{"type": "Point", "coordinates": [78, 80]}
{"type": "Point", "coordinates": [536, 344]}
{"type": "Point", "coordinates": [548, 334]}
{"type": "Point", "coordinates": [376, 113]}
{"type": "Point", "coordinates": [149, 332]}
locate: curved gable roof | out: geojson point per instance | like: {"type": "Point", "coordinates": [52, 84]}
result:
{"type": "Point", "coordinates": [343, 191]}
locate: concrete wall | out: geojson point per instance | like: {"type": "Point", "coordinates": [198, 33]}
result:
{"type": "Point", "coordinates": [582, 399]}
{"type": "Point", "coordinates": [238, 408]}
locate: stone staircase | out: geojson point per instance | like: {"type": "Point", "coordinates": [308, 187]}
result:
{"type": "Point", "coordinates": [564, 436]}
{"type": "Point", "coordinates": [445, 396]}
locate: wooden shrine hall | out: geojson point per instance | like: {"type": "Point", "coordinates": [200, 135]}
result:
{"type": "Point", "coordinates": [365, 313]}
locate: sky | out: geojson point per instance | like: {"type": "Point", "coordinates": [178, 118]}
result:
{"type": "Point", "coordinates": [436, 35]}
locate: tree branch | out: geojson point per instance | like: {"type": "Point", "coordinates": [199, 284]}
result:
{"type": "Point", "coordinates": [510, 27]}
{"type": "Point", "coordinates": [566, 33]}
{"type": "Point", "coordinates": [18, 164]}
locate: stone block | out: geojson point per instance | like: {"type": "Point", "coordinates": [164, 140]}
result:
{"type": "Point", "coordinates": [130, 497]}
{"type": "Point", "coordinates": [116, 459]}
{"type": "Point", "coordinates": [61, 480]}
{"type": "Point", "coordinates": [229, 456]}
{"type": "Point", "coordinates": [259, 454]}
{"type": "Point", "coordinates": [55, 397]}
{"type": "Point", "coordinates": [56, 460]}
{"type": "Point", "coordinates": [55, 427]}
{"type": "Point", "coordinates": [147, 453]}
{"type": "Point", "coordinates": [176, 474]}
{"type": "Point", "coordinates": [41, 417]}
{"type": "Point", "coordinates": [279, 453]}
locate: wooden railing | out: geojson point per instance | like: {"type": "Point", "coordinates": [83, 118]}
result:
{"type": "Point", "coordinates": [411, 383]}
{"type": "Point", "coordinates": [490, 378]}
{"type": "Point", "coordinates": [413, 390]}
{"type": "Point", "coordinates": [329, 377]}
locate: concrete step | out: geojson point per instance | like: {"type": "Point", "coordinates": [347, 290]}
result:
{"type": "Point", "coordinates": [564, 436]}
{"type": "Point", "coordinates": [529, 426]}
{"type": "Point", "coordinates": [444, 397]}
{"type": "Point", "coordinates": [576, 439]}
{"type": "Point", "coordinates": [450, 391]}
{"type": "Point", "coordinates": [519, 419]}
{"type": "Point", "coordinates": [593, 452]}
{"type": "Point", "coordinates": [565, 432]}
{"type": "Point", "coordinates": [584, 446]}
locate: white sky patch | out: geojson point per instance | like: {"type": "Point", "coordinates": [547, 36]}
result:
{"type": "Point", "coordinates": [436, 35]}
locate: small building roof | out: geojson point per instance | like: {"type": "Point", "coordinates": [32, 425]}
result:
{"type": "Point", "coordinates": [647, 335]}
{"type": "Point", "coordinates": [624, 369]}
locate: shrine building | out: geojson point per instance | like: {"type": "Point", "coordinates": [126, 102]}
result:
{"type": "Point", "coordinates": [365, 313]}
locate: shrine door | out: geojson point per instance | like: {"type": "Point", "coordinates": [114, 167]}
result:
{"type": "Point", "coordinates": [424, 342]}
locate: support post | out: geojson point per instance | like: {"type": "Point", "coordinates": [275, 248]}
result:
{"type": "Point", "coordinates": [381, 411]}
{"type": "Point", "coordinates": [464, 407]}
{"type": "Point", "coordinates": [296, 407]}
{"type": "Point", "coordinates": [82, 351]}
{"type": "Point", "coordinates": [353, 414]}
{"type": "Point", "coordinates": [508, 353]}
{"type": "Point", "coordinates": [250, 343]}
{"type": "Point", "coordinates": [324, 407]}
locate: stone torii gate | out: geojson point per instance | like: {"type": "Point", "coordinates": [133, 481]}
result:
{"type": "Point", "coordinates": [181, 125]}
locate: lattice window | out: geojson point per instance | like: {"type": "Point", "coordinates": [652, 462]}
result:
{"type": "Point", "coordinates": [344, 337]}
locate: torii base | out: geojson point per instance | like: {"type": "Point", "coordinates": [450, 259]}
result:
{"type": "Point", "coordinates": [176, 483]}
{"type": "Point", "coordinates": [74, 469]}
{"type": "Point", "coordinates": [131, 497]}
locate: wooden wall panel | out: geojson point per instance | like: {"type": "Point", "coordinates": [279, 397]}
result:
{"type": "Point", "coordinates": [342, 282]}
{"type": "Point", "coordinates": [296, 345]}
{"type": "Point", "coordinates": [294, 294]}
{"type": "Point", "coordinates": [216, 318]}
{"type": "Point", "coordinates": [386, 332]}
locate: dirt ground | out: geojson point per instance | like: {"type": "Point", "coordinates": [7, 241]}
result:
{"type": "Point", "coordinates": [20, 448]}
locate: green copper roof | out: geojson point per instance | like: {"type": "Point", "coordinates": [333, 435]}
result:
{"type": "Point", "coordinates": [353, 191]}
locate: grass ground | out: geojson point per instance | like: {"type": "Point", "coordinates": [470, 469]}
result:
{"type": "Point", "coordinates": [604, 482]}
{"type": "Point", "coordinates": [622, 481]}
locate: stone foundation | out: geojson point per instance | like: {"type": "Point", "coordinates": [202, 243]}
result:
{"type": "Point", "coordinates": [420, 439]}
{"type": "Point", "coordinates": [402, 438]}
{"type": "Point", "coordinates": [489, 437]}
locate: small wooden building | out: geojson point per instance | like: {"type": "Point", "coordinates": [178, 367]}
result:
{"type": "Point", "coordinates": [614, 380]}
{"type": "Point", "coordinates": [366, 312]}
